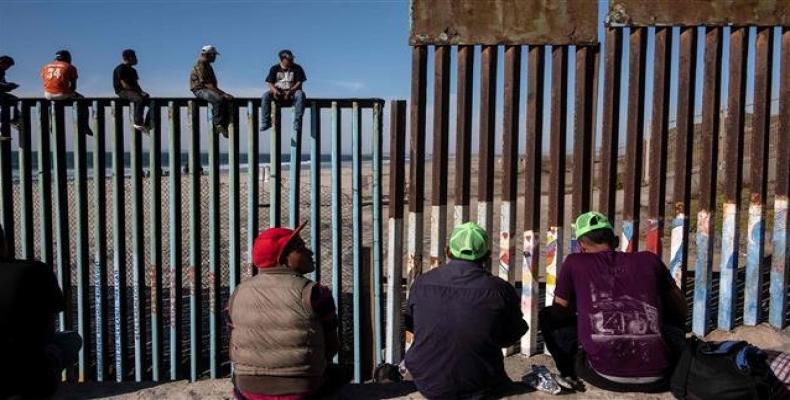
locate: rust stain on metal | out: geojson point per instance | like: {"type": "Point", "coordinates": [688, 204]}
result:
{"type": "Point", "coordinates": [492, 22]}
{"type": "Point", "coordinates": [693, 13]}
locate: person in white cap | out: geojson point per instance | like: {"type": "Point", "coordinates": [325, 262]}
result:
{"type": "Point", "coordinates": [203, 84]}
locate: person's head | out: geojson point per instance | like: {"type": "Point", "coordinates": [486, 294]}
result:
{"type": "Point", "coordinates": [6, 62]}
{"type": "Point", "coordinates": [594, 233]}
{"type": "Point", "coordinates": [282, 246]}
{"type": "Point", "coordinates": [208, 53]}
{"type": "Point", "coordinates": [469, 242]}
{"type": "Point", "coordinates": [286, 58]}
{"type": "Point", "coordinates": [63, 55]}
{"type": "Point", "coordinates": [129, 57]}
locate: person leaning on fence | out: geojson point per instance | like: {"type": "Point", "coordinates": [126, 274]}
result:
{"type": "Point", "coordinates": [285, 80]}
{"type": "Point", "coordinates": [124, 81]}
{"type": "Point", "coordinates": [33, 353]}
{"type": "Point", "coordinates": [461, 317]}
{"type": "Point", "coordinates": [618, 319]}
{"type": "Point", "coordinates": [6, 87]}
{"type": "Point", "coordinates": [60, 83]}
{"type": "Point", "coordinates": [283, 325]}
{"type": "Point", "coordinates": [203, 83]}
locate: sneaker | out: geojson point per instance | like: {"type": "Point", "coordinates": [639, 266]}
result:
{"type": "Point", "coordinates": [222, 130]}
{"type": "Point", "coordinates": [18, 124]}
{"type": "Point", "coordinates": [265, 127]}
{"type": "Point", "coordinates": [570, 383]}
{"type": "Point", "coordinates": [141, 128]}
{"type": "Point", "coordinates": [542, 379]}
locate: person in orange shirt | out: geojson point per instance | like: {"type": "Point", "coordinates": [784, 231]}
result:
{"type": "Point", "coordinates": [60, 83]}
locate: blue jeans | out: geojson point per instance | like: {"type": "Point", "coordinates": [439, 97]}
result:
{"type": "Point", "coordinates": [220, 105]}
{"type": "Point", "coordinates": [298, 99]}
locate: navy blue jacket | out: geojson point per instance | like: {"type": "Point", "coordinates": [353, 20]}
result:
{"type": "Point", "coordinates": [461, 317]}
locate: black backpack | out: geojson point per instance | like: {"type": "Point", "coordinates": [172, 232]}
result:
{"type": "Point", "coordinates": [721, 371]}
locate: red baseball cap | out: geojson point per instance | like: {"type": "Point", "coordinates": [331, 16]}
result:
{"type": "Point", "coordinates": [269, 245]}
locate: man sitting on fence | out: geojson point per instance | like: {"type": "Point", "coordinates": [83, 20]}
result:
{"type": "Point", "coordinates": [124, 81]}
{"type": "Point", "coordinates": [33, 354]}
{"type": "Point", "coordinates": [6, 87]}
{"type": "Point", "coordinates": [60, 83]}
{"type": "Point", "coordinates": [461, 317]}
{"type": "Point", "coordinates": [203, 84]}
{"type": "Point", "coordinates": [285, 81]}
{"type": "Point", "coordinates": [283, 325]}
{"type": "Point", "coordinates": [618, 319]}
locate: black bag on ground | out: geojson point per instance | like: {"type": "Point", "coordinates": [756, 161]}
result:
{"type": "Point", "coordinates": [721, 371]}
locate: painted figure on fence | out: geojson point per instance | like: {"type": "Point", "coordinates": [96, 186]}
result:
{"type": "Point", "coordinates": [60, 83]}
{"type": "Point", "coordinates": [124, 81]}
{"type": "Point", "coordinates": [461, 317]}
{"type": "Point", "coordinates": [283, 325]}
{"type": "Point", "coordinates": [33, 353]}
{"type": "Point", "coordinates": [6, 87]}
{"type": "Point", "coordinates": [203, 84]}
{"type": "Point", "coordinates": [285, 80]}
{"type": "Point", "coordinates": [623, 309]}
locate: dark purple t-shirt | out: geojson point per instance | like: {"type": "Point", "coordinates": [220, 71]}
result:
{"type": "Point", "coordinates": [617, 297]}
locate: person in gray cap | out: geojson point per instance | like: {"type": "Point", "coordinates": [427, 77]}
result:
{"type": "Point", "coordinates": [285, 80]}
{"type": "Point", "coordinates": [203, 84]}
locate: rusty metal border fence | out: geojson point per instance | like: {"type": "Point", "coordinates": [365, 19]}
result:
{"type": "Point", "coordinates": [635, 166]}
{"type": "Point", "coordinates": [145, 357]}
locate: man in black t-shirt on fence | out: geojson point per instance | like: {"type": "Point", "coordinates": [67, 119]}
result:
{"type": "Point", "coordinates": [285, 81]}
{"type": "Point", "coordinates": [124, 80]}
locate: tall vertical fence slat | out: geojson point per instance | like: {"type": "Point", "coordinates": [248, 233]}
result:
{"type": "Point", "coordinates": [154, 268]}
{"type": "Point", "coordinates": [733, 160]}
{"type": "Point", "coordinates": [659, 134]}
{"type": "Point", "coordinates": [419, 78]}
{"type": "Point", "coordinates": [174, 213]}
{"type": "Point", "coordinates": [62, 238]}
{"type": "Point", "coordinates": [510, 124]}
{"type": "Point", "coordinates": [559, 103]}
{"type": "Point", "coordinates": [781, 254]}
{"type": "Point", "coordinates": [356, 222]}
{"type": "Point", "coordinates": [214, 272]}
{"type": "Point", "coordinates": [295, 171]}
{"type": "Point", "coordinates": [26, 181]}
{"type": "Point", "coordinates": [533, 160]}
{"type": "Point", "coordinates": [275, 167]}
{"type": "Point", "coordinates": [45, 181]}
{"type": "Point", "coordinates": [683, 150]}
{"type": "Point", "coordinates": [758, 182]}
{"type": "Point", "coordinates": [315, 188]}
{"type": "Point", "coordinates": [101, 313]}
{"type": "Point", "coordinates": [234, 216]}
{"type": "Point", "coordinates": [582, 136]}
{"type": "Point", "coordinates": [485, 182]}
{"type": "Point", "coordinates": [138, 254]}
{"type": "Point", "coordinates": [195, 256]}
{"type": "Point", "coordinates": [610, 128]}
{"type": "Point", "coordinates": [705, 238]}
{"type": "Point", "coordinates": [378, 263]}
{"type": "Point", "coordinates": [632, 181]}
{"type": "Point", "coordinates": [253, 188]}
{"type": "Point", "coordinates": [337, 208]}
{"type": "Point", "coordinates": [463, 128]}
{"type": "Point", "coordinates": [397, 180]}
{"type": "Point", "coordinates": [119, 242]}
{"type": "Point", "coordinates": [6, 182]}
{"type": "Point", "coordinates": [81, 248]}
{"type": "Point", "coordinates": [439, 157]}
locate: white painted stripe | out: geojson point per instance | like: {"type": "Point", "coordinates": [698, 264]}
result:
{"type": "Point", "coordinates": [394, 341]}
{"type": "Point", "coordinates": [507, 245]}
{"type": "Point", "coordinates": [460, 214]}
{"type": "Point", "coordinates": [438, 235]}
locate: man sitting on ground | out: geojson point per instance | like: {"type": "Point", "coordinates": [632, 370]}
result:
{"type": "Point", "coordinates": [617, 319]}
{"type": "Point", "coordinates": [203, 83]}
{"type": "Point", "coordinates": [283, 325]}
{"type": "Point", "coordinates": [461, 317]}
{"type": "Point", "coordinates": [285, 81]}
{"type": "Point", "coordinates": [60, 83]}
{"type": "Point", "coordinates": [124, 81]}
{"type": "Point", "coordinates": [33, 354]}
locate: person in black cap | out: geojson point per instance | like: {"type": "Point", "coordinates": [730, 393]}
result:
{"type": "Point", "coordinates": [7, 62]}
{"type": "Point", "coordinates": [33, 354]}
{"type": "Point", "coordinates": [285, 82]}
{"type": "Point", "coordinates": [124, 80]}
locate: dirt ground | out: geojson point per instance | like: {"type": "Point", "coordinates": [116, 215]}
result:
{"type": "Point", "coordinates": [762, 336]}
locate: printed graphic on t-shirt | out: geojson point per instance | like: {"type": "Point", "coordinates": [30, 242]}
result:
{"type": "Point", "coordinates": [624, 317]}
{"type": "Point", "coordinates": [284, 79]}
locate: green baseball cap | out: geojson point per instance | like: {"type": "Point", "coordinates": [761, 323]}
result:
{"type": "Point", "coordinates": [469, 242]}
{"type": "Point", "coordinates": [591, 221]}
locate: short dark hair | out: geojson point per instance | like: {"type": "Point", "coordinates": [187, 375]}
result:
{"type": "Point", "coordinates": [127, 54]}
{"type": "Point", "coordinates": [601, 236]}
{"type": "Point", "coordinates": [6, 60]}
